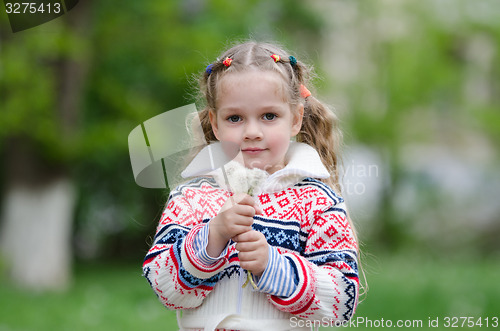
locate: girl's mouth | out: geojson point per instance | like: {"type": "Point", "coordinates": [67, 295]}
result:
{"type": "Point", "coordinates": [253, 150]}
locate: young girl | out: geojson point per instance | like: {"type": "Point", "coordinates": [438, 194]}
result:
{"type": "Point", "coordinates": [294, 237]}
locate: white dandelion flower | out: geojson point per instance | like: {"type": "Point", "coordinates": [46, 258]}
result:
{"type": "Point", "coordinates": [255, 178]}
{"type": "Point", "coordinates": [243, 180]}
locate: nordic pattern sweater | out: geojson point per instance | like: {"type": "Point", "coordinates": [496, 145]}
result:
{"type": "Point", "coordinates": [306, 223]}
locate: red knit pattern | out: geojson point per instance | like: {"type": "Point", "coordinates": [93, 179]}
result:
{"type": "Point", "coordinates": [320, 215]}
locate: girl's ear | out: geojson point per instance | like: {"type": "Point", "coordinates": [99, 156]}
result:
{"type": "Point", "coordinates": [213, 122]}
{"type": "Point", "coordinates": [298, 114]}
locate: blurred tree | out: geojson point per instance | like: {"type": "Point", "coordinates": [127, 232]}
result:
{"type": "Point", "coordinates": [43, 73]}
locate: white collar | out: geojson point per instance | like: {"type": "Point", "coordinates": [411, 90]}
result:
{"type": "Point", "coordinates": [301, 160]}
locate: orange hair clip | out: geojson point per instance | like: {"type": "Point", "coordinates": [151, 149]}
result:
{"type": "Point", "coordinates": [304, 92]}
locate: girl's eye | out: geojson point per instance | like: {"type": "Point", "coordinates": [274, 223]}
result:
{"type": "Point", "coordinates": [269, 116]}
{"type": "Point", "coordinates": [233, 118]}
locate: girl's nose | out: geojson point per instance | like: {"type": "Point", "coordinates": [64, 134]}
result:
{"type": "Point", "coordinates": [253, 130]}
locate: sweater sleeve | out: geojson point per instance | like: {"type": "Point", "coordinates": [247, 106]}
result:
{"type": "Point", "coordinates": [200, 247]}
{"type": "Point", "coordinates": [172, 266]}
{"type": "Point", "coordinates": [279, 277]}
{"type": "Point", "coordinates": [327, 271]}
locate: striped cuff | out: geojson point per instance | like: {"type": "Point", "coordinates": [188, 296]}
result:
{"type": "Point", "coordinates": [302, 298]}
{"type": "Point", "coordinates": [279, 278]}
{"type": "Point", "coordinates": [200, 247]}
{"type": "Point", "coordinates": [190, 261]}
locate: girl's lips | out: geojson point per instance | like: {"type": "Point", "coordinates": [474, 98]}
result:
{"type": "Point", "coordinates": [253, 150]}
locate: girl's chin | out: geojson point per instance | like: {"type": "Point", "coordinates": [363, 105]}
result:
{"type": "Point", "coordinates": [252, 164]}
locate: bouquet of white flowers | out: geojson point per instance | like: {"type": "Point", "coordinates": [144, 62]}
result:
{"type": "Point", "coordinates": [240, 179]}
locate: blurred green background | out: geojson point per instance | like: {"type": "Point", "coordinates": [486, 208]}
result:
{"type": "Point", "coordinates": [416, 85]}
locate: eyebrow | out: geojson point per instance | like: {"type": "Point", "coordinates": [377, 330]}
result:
{"type": "Point", "coordinates": [270, 108]}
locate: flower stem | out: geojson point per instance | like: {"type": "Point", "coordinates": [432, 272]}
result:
{"type": "Point", "coordinates": [249, 279]}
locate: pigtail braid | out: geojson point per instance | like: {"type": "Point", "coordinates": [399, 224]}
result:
{"type": "Point", "coordinates": [320, 127]}
{"type": "Point", "coordinates": [320, 130]}
{"type": "Point", "coordinates": [206, 126]}
{"type": "Point", "coordinates": [208, 83]}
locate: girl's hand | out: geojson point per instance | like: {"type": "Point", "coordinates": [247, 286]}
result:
{"type": "Point", "coordinates": [253, 251]}
{"type": "Point", "coordinates": [234, 218]}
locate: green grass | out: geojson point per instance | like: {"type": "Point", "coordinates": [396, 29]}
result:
{"type": "Point", "coordinates": [102, 298]}
{"type": "Point", "coordinates": [409, 288]}
{"type": "Point", "coordinates": [118, 298]}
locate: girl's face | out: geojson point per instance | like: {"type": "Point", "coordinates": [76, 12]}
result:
{"type": "Point", "coordinates": [253, 113]}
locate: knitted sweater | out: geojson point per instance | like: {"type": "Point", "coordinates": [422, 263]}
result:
{"type": "Point", "coordinates": [303, 220]}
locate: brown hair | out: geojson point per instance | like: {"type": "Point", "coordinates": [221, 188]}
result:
{"type": "Point", "coordinates": [319, 124]}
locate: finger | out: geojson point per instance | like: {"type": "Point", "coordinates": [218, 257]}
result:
{"type": "Point", "coordinates": [246, 246]}
{"type": "Point", "coordinates": [257, 267]}
{"type": "Point", "coordinates": [250, 201]}
{"type": "Point", "coordinates": [240, 230]}
{"type": "Point", "coordinates": [240, 220]}
{"type": "Point", "coordinates": [244, 199]}
{"type": "Point", "coordinates": [241, 237]}
{"type": "Point", "coordinates": [249, 261]}
{"type": "Point", "coordinates": [244, 210]}
{"type": "Point", "coordinates": [250, 236]}
{"type": "Point", "coordinates": [247, 256]}
{"type": "Point", "coordinates": [247, 265]}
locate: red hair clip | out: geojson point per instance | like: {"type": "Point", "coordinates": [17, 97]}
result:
{"type": "Point", "coordinates": [227, 61]}
{"type": "Point", "coordinates": [276, 57]}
